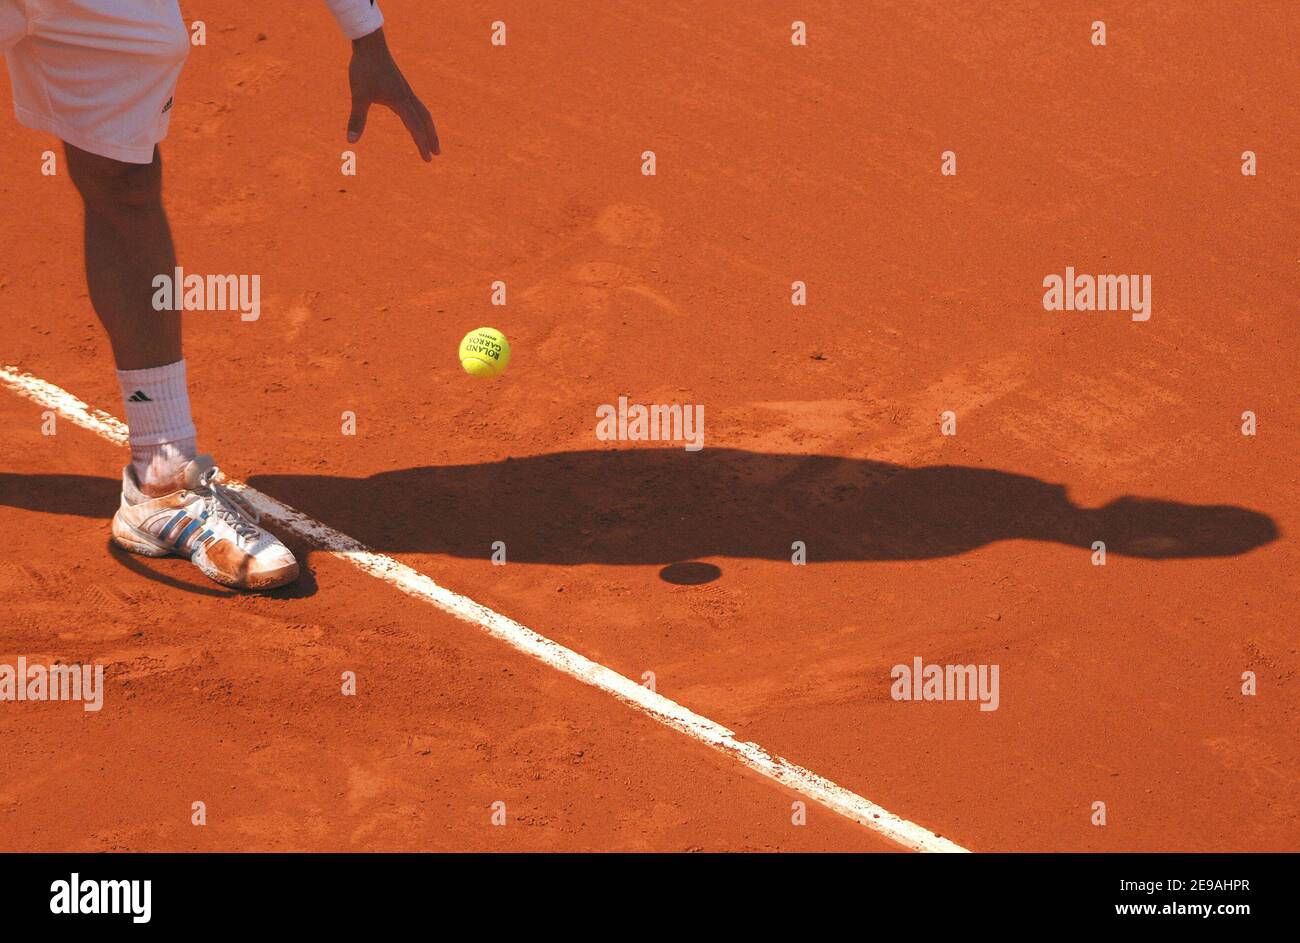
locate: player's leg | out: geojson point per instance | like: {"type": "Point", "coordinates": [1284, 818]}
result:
{"type": "Point", "coordinates": [127, 244]}
{"type": "Point", "coordinates": [172, 502]}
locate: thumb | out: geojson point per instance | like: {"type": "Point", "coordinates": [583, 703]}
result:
{"type": "Point", "coordinates": [357, 119]}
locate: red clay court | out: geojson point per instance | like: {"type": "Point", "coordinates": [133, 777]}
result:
{"type": "Point", "coordinates": [1120, 684]}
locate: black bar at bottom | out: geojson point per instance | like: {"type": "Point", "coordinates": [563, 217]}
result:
{"type": "Point", "coordinates": [1218, 892]}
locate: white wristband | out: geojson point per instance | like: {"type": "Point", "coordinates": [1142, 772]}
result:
{"type": "Point", "coordinates": [356, 18]}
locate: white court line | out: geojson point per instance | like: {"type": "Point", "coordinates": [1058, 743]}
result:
{"type": "Point", "coordinates": [667, 712]}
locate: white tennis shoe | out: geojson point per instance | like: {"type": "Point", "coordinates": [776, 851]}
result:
{"type": "Point", "coordinates": [208, 523]}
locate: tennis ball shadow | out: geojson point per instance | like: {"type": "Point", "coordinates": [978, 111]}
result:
{"type": "Point", "coordinates": [690, 573]}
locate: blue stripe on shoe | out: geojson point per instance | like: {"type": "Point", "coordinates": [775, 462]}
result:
{"type": "Point", "coordinates": [203, 536]}
{"type": "Point", "coordinates": [190, 528]}
{"type": "Point", "coordinates": [171, 524]}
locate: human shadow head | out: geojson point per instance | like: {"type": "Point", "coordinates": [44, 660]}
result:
{"type": "Point", "coordinates": [1144, 527]}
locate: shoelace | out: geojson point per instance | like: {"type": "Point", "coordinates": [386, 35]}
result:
{"type": "Point", "coordinates": [229, 507]}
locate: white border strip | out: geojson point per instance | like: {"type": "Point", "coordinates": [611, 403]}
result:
{"type": "Point", "coordinates": [667, 712]}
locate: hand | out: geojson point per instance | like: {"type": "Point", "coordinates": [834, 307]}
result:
{"type": "Point", "coordinates": [375, 79]}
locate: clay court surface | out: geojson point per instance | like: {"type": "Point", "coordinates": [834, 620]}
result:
{"type": "Point", "coordinates": [1119, 684]}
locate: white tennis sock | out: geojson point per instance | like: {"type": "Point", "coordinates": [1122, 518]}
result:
{"type": "Point", "coordinates": [161, 429]}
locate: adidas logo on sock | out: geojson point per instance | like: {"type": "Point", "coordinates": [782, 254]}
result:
{"type": "Point", "coordinates": [139, 397]}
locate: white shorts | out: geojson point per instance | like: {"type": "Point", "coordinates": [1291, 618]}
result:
{"type": "Point", "coordinates": [100, 74]}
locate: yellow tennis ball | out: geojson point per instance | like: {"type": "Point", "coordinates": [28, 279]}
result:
{"type": "Point", "coordinates": [484, 352]}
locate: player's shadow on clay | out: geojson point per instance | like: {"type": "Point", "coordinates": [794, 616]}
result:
{"type": "Point", "coordinates": [665, 507]}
